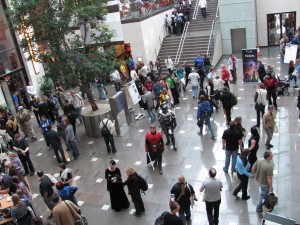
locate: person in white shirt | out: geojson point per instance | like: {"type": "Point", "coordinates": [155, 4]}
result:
{"type": "Point", "coordinates": [115, 77]}
{"type": "Point", "coordinates": [170, 65]}
{"type": "Point", "coordinates": [194, 80]}
{"type": "Point", "coordinates": [203, 5]}
{"type": "Point", "coordinates": [133, 73]}
{"type": "Point", "coordinates": [77, 101]}
{"type": "Point", "coordinates": [218, 83]}
{"type": "Point", "coordinates": [108, 138]}
{"type": "Point", "coordinates": [31, 89]}
{"type": "Point", "coordinates": [212, 74]}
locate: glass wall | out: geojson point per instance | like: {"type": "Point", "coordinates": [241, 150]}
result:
{"type": "Point", "coordinates": [280, 24]}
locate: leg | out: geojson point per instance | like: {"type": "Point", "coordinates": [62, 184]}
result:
{"type": "Point", "coordinates": [136, 202]}
{"type": "Point", "coordinates": [239, 187]}
{"type": "Point", "coordinates": [187, 212]}
{"type": "Point", "coordinates": [57, 155]}
{"type": "Point", "coordinates": [227, 160]}
{"type": "Point", "coordinates": [23, 161]}
{"type": "Point", "coordinates": [209, 211]}
{"type": "Point", "coordinates": [233, 162]}
{"type": "Point", "coordinates": [269, 94]}
{"type": "Point", "coordinates": [106, 139]}
{"type": "Point", "coordinates": [269, 136]}
{"type": "Point", "coordinates": [150, 113]}
{"type": "Point", "coordinates": [182, 216]}
{"type": "Point", "coordinates": [212, 134]}
{"type": "Point", "coordinates": [112, 143]}
{"type": "Point", "coordinates": [29, 163]}
{"type": "Point", "coordinates": [37, 117]}
{"type": "Point", "coordinates": [47, 142]}
{"type": "Point", "coordinates": [274, 96]}
{"type": "Point", "coordinates": [264, 191]}
{"type": "Point", "coordinates": [60, 149]}
{"type": "Point", "coordinates": [78, 111]}
{"type": "Point", "coordinates": [244, 185]}
{"type": "Point", "coordinates": [201, 126]}
{"type": "Point", "coordinates": [258, 118]}
{"type": "Point", "coordinates": [67, 144]}
{"type": "Point", "coordinates": [216, 207]}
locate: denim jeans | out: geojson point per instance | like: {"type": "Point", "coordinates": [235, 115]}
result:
{"type": "Point", "coordinates": [195, 91]}
{"type": "Point", "coordinates": [102, 94]}
{"type": "Point", "coordinates": [233, 155]}
{"type": "Point", "coordinates": [151, 114]}
{"type": "Point", "coordinates": [78, 111]}
{"type": "Point", "coordinates": [67, 144]}
{"type": "Point", "coordinates": [207, 122]}
{"type": "Point", "coordinates": [264, 191]}
{"type": "Point", "coordinates": [184, 212]}
{"type": "Point", "coordinates": [74, 149]}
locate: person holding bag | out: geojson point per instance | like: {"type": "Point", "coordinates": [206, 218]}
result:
{"type": "Point", "coordinates": [260, 100]}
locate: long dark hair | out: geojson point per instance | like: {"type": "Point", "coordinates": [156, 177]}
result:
{"type": "Point", "coordinates": [254, 132]}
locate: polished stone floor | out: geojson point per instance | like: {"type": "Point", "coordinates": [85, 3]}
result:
{"type": "Point", "coordinates": [194, 157]}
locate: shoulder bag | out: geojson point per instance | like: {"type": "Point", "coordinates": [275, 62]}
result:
{"type": "Point", "coordinates": [259, 106]}
{"type": "Point", "coordinates": [81, 221]}
{"type": "Point", "coordinates": [192, 200]}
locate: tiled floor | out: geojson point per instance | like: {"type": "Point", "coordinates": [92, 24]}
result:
{"type": "Point", "coordinates": [194, 156]}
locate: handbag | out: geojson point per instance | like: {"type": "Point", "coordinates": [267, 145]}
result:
{"type": "Point", "coordinates": [192, 200]}
{"type": "Point", "coordinates": [81, 221]}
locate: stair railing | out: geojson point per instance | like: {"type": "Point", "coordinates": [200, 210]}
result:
{"type": "Point", "coordinates": [181, 43]}
{"type": "Point", "coordinates": [213, 33]}
{"type": "Point", "coordinates": [196, 10]}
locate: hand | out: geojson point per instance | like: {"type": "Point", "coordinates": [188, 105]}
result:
{"type": "Point", "coordinates": [15, 148]}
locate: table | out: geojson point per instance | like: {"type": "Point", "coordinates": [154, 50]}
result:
{"type": "Point", "coordinates": [4, 205]}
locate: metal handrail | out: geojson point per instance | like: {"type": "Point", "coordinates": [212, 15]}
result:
{"type": "Point", "coordinates": [182, 39]}
{"type": "Point", "coordinates": [196, 10]}
{"type": "Point", "coordinates": [211, 31]}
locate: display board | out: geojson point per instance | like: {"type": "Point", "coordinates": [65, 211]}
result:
{"type": "Point", "coordinates": [133, 92]}
{"type": "Point", "coordinates": [250, 65]}
{"type": "Point", "coordinates": [290, 53]}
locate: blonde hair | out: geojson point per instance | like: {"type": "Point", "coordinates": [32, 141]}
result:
{"type": "Point", "coordinates": [129, 170]}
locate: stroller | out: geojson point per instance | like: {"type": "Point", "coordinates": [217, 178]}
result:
{"type": "Point", "coordinates": [283, 86]}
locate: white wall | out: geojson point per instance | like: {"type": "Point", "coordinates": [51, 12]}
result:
{"type": "Point", "coordinates": [145, 37]}
{"type": "Point", "coordinates": [264, 7]}
{"type": "Point", "coordinates": [218, 49]}
{"type": "Point", "coordinates": [237, 14]}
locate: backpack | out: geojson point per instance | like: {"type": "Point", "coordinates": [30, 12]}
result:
{"type": "Point", "coordinates": [234, 100]}
{"type": "Point", "coordinates": [206, 109]}
{"type": "Point", "coordinates": [105, 132]}
{"type": "Point", "coordinates": [52, 179]}
{"type": "Point", "coordinates": [178, 20]}
{"type": "Point", "coordinates": [161, 219]}
{"type": "Point", "coordinates": [270, 202]}
{"type": "Point", "coordinates": [143, 184]}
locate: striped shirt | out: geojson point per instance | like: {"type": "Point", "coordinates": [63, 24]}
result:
{"type": "Point", "coordinates": [19, 210]}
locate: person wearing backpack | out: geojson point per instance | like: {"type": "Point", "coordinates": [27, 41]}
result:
{"type": "Point", "coordinates": [169, 218]}
{"type": "Point", "coordinates": [203, 116]}
{"type": "Point", "coordinates": [178, 24]}
{"type": "Point", "coordinates": [106, 126]}
{"type": "Point", "coordinates": [134, 190]}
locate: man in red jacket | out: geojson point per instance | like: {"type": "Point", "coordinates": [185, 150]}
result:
{"type": "Point", "coordinates": [154, 146]}
{"type": "Point", "coordinates": [271, 84]}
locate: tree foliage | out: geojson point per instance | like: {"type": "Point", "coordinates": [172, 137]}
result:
{"type": "Point", "coordinates": [69, 36]}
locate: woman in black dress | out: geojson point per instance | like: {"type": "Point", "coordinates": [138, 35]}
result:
{"type": "Point", "coordinates": [253, 145]}
{"type": "Point", "coordinates": [117, 194]}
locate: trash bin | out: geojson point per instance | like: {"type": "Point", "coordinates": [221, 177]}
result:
{"type": "Point", "coordinates": [131, 111]}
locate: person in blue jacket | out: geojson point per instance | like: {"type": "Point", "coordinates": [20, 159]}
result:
{"type": "Point", "coordinates": [243, 173]}
{"type": "Point", "coordinates": [44, 126]}
{"type": "Point", "coordinates": [203, 116]}
{"type": "Point", "coordinates": [66, 192]}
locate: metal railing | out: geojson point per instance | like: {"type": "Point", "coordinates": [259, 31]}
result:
{"type": "Point", "coordinates": [181, 43]}
{"type": "Point", "coordinates": [196, 10]}
{"type": "Point", "coordinates": [213, 33]}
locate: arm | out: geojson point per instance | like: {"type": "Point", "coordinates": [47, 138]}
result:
{"type": "Point", "coordinates": [4, 191]}
{"type": "Point", "coordinates": [256, 96]}
{"type": "Point", "coordinates": [202, 187]}
{"type": "Point", "coordinates": [269, 178]}
{"type": "Point", "coordinates": [146, 145]}
{"type": "Point", "coordinates": [241, 144]}
{"type": "Point", "coordinates": [253, 143]}
{"type": "Point", "coordinates": [199, 113]}
{"type": "Point", "coordinates": [242, 169]}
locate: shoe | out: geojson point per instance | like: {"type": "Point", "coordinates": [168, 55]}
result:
{"type": "Point", "coordinates": [32, 173]}
{"type": "Point", "coordinates": [199, 133]}
{"type": "Point", "coordinates": [271, 146]}
{"type": "Point", "coordinates": [259, 211]}
{"type": "Point", "coordinates": [50, 216]}
{"type": "Point", "coordinates": [168, 142]}
{"type": "Point", "coordinates": [246, 198]}
{"type": "Point", "coordinates": [234, 171]}
{"type": "Point", "coordinates": [26, 174]}
{"type": "Point", "coordinates": [136, 214]}
{"type": "Point", "coordinates": [75, 158]}
{"type": "Point", "coordinates": [33, 139]}
{"type": "Point", "coordinates": [155, 163]}
{"type": "Point", "coordinates": [257, 126]}
{"type": "Point", "coordinates": [66, 162]}
{"type": "Point", "coordinates": [160, 172]}
{"type": "Point", "coordinates": [48, 148]}
{"type": "Point", "coordinates": [174, 148]}
{"type": "Point", "coordinates": [213, 138]}
{"type": "Point", "coordinates": [267, 147]}
{"type": "Point", "coordinates": [296, 86]}
{"type": "Point", "coordinates": [226, 171]}
{"type": "Point", "coordinates": [276, 108]}
{"type": "Point", "coordinates": [114, 151]}
{"type": "Point", "coordinates": [235, 195]}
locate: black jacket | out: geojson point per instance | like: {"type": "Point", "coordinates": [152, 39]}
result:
{"type": "Point", "coordinates": [184, 199]}
{"type": "Point", "coordinates": [132, 184]}
{"type": "Point", "coordinates": [54, 139]}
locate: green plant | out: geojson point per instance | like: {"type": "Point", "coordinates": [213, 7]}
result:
{"type": "Point", "coordinates": [4, 108]}
{"type": "Point", "coordinates": [46, 85]}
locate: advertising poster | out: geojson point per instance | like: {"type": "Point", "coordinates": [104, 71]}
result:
{"type": "Point", "coordinates": [290, 53]}
{"type": "Point", "coordinates": [250, 65]}
{"type": "Point", "coordinates": [133, 92]}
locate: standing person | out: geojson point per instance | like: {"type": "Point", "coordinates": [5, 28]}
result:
{"type": "Point", "coordinates": [70, 138]}
{"type": "Point", "coordinates": [22, 148]}
{"type": "Point", "coordinates": [231, 141]}
{"type": "Point", "coordinates": [173, 88]}
{"type": "Point", "coordinates": [212, 74]}
{"type": "Point", "coordinates": [20, 211]}
{"type": "Point", "coordinates": [62, 98]}
{"type": "Point", "coordinates": [106, 126]}
{"type": "Point", "coordinates": [134, 190]}
{"type": "Point", "coordinates": [44, 127]}
{"type": "Point", "coordinates": [148, 100]}
{"type": "Point", "coordinates": [42, 108]}
{"type": "Point", "coordinates": [170, 218]}
{"type": "Point", "coordinates": [243, 167]}
{"type": "Point", "coordinates": [253, 145]}
{"type": "Point", "coordinates": [194, 80]}
{"type": "Point", "coordinates": [203, 116]}
{"type": "Point", "coordinates": [100, 87]}
{"type": "Point", "coordinates": [263, 170]}
{"type": "Point", "coordinates": [65, 212]}
{"type": "Point", "coordinates": [78, 103]}
{"type": "Point", "coordinates": [212, 188]}
{"type": "Point", "coordinates": [24, 119]}
{"type": "Point", "coordinates": [292, 73]}
{"type": "Point", "coordinates": [187, 71]}
{"type": "Point", "coordinates": [261, 71]}
{"type": "Point", "coordinates": [157, 90]}
{"type": "Point", "coordinates": [233, 65]}
{"type": "Point", "coordinates": [66, 192]}
{"type": "Point", "coordinates": [16, 100]}
{"type": "Point", "coordinates": [298, 103]}
{"type": "Point", "coordinates": [180, 76]}
{"type": "Point", "coordinates": [154, 147]}
{"type": "Point", "coordinates": [71, 114]}
{"type": "Point", "coordinates": [12, 125]}
{"type": "Point", "coordinates": [225, 75]}
{"type": "Point", "coordinates": [271, 85]}
{"type": "Point", "coordinates": [260, 100]}
{"type": "Point", "coordinates": [203, 5]}
{"type": "Point", "coordinates": [226, 99]}
{"type": "Point", "coordinates": [15, 180]}
{"type": "Point", "coordinates": [158, 67]}
{"type": "Point", "coordinates": [50, 108]}
{"type": "Point", "coordinates": [178, 24]}
{"type": "Point", "coordinates": [61, 130]}
{"type": "Point", "coordinates": [149, 84]}
{"type": "Point", "coordinates": [54, 139]}
{"type": "Point", "coordinates": [210, 91]}
{"type": "Point", "coordinates": [55, 102]}
{"type": "Point", "coordinates": [168, 24]}
{"type": "Point", "coordinates": [167, 120]}
{"type": "Point", "coordinates": [269, 125]}
{"type": "Point", "coordinates": [182, 192]}
{"type": "Point", "coordinates": [34, 108]}
{"type": "Point", "coordinates": [66, 175]}
{"type": "Point", "coordinates": [169, 64]}
{"type": "Point", "coordinates": [115, 77]}
{"type": "Point", "coordinates": [46, 190]}
{"type": "Point", "coordinates": [118, 198]}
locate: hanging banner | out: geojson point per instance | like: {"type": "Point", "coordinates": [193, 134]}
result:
{"type": "Point", "coordinates": [250, 65]}
{"type": "Point", "coordinates": [290, 53]}
{"type": "Point", "coordinates": [133, 91]}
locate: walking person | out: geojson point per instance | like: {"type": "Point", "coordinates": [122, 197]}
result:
{"type": "Point", "coordinates": [118, 198]}
{"type": "Point", "coordinates": [194, 80]}
{"type": "Point", "coordinates": [157, 90]}
{"type": "Point", "coordinates": [134, 190]}
{"type": "Point", "coordinates": [70, 111]}
{"type": "Point", "coordinates": [253, 145]}
{"type": "Point", "coordinates": [203, 116]}
{"type": "Point", "coordinates": [66, 192]}
{"type": "Point", "coordinates": [174, 91]}
{"type": "Point", "coordinates": [34, 108]}
{"type": "Point", "coordinates": [212, 188]}
{"type": "Point", "coordinates": [61, 130]}
{"type": "Point", "coordinates": [182, 192]}
{"type": "Point", "coordinates": [243, 167]}
{"type": "Point", "coordinates": [263, 170]}
{"type": "Point", "coordinates": [22, 148]}
{"type": "Point", "coordinates": [107, 126]}
{"type": "Point", "coordinates": [148, 100]}
{"type": "Point", "coordinates": [115, 77]}
{"type": "Point", "coordinates": [269, 125]}
{"type": "Point", "coordinates": [70, 138]}
{"type": "Point", "coordinates": [226, 99]}
{"type": "Point", "coordinates": [169, 64]}
{"type": "Point", "coordinates": [77, 101]}
{"type": "Point", "coordinates": [225, 76]}
{"type": "Point", "coordinates": [203, 5]}
{"type": "Point", "coordinates": [101, 89]}
{"type": "Point", "coordinates": [54, 139]}
{"type": "Point", "coordinates": [233, 65]}
{"type": "Point", "coordinates": [231, 141]}
{"type": "Point", "coordinates": [271, 85]}
{"type": "Point", "coordinates": [187, 71]}
{"type": "Point", "coordinates": [24, 119]}
{"type": "Point", "coordinates": [260, 100]}
{"type": "Point", "coordinates": [261, 71]}
{"type": "Point", "coordinates": [170, 218]}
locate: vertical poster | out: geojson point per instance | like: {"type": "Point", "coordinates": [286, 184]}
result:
{"type": "Point", "coordinates": [250, 65]}
{"type": "Point", "coordinates": [133, 92]}
{"type": "Point", "coordinates": [290, 53]}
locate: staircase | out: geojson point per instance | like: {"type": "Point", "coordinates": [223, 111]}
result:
{"type": "Point", "coordinates": [197, 37]}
